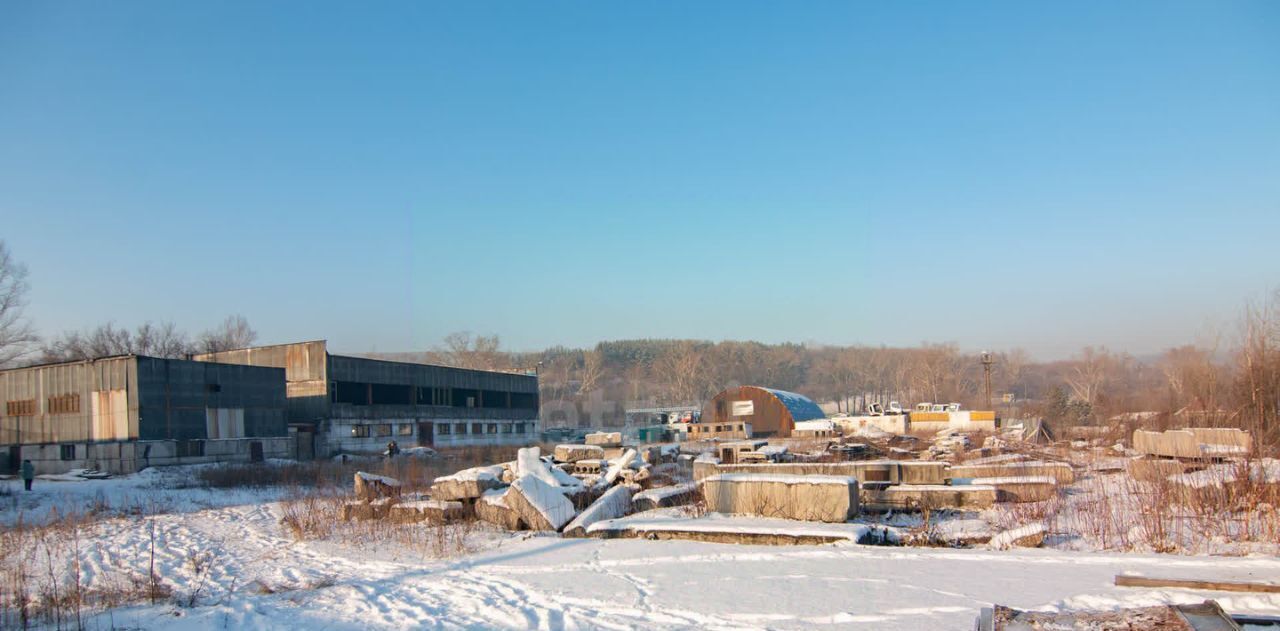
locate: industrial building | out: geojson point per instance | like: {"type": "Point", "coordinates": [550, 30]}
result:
{"type": "Point", "coordinates": [766, 411]}
{"type": "Point", "coordinates": [358, 405]}
{"type": "Point", "coordinates": [123, 413]}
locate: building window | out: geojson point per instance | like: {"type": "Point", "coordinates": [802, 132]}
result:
{"type": "Point", "coordinates": [444, 428]}
{"type": "Point", "coordinates": [519, 428]}
{"type": "Point", "coordinates": [68, 452]}
{"type": "Point", "coordinates": [405, 429]}
{"type": "Point", "coordinates": [477, 428]}
{"type": "Point", "coordinates": [383, 429]}
{"type": "Point", "coordinates": [64, 404]}
{"type": "Point", "coordinates": [461, 428]}
{"type": "Point", "coordinates": [190, 448]}
{"type": "Point", "coordinates": [359, 431]}
{"type": "Point", "coordinates": [492, 429]}
{"type": "Point", "coordinates": [25, 407]}
{"type": "Point", "coordinates": [505, 428]}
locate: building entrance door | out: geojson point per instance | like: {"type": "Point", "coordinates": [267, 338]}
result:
{"type": "Point", "coordinates": [426, 434]}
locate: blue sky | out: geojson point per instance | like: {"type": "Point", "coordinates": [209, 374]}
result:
{"type": "Point", "coordinates": [994, 174]}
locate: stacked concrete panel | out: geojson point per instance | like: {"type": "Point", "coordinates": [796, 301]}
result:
{"type": "Point", "coordinates": [804, 497]}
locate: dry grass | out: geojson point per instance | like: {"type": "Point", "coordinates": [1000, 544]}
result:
{"type": "Point", "coordinates": [1230, 512]}
{"type": "Point", "coordinates": [317, 517]}
{"type": "Point", "coordinates": [41, 584]}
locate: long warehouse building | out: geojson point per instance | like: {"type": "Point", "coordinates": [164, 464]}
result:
{"type": "Point", "coordinates": [346, 404]}
{"type": "Point", "coordinates": [127, 412]}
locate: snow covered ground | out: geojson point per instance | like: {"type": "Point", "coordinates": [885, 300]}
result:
{"type": "Point", "coordinates": [227, 554]}
{"type": "Point", "coordinates": [552, 583]}
{"type": "Point", "coordinates": [151, 491]}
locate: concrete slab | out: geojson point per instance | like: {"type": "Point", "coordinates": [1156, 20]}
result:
{"type": "Point", "coordinates": [803, 497]}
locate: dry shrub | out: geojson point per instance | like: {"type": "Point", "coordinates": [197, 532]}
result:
{"type": "Point", "coordinates": [318, 517]}
{"type": "Point", "coordinates": [41, 583]}
{"type": "Point", "coordinates": [1224, 512]}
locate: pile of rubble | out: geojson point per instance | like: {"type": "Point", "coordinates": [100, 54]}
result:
{"type": "Point", "coordinates": [575, 486]}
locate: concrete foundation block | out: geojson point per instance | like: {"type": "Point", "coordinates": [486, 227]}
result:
{"type": "Point", "coordinates": [802, 497]}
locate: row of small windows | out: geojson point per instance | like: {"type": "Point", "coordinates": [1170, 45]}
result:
{"type": "Point", "coordinates": [61, 404]}
{"type": "Point", "coordinates": [383, 430]}
{"type": "Point", "coordinates": [359, 393]}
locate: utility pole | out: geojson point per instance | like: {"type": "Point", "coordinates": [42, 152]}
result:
{"type": "Point", "coordinates": [987, 360]}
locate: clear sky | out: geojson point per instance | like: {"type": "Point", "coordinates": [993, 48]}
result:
{"type": "Point", "coordinates": [1043, 175]}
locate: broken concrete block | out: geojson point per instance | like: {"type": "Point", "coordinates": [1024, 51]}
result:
{"type": "Point", "coordinates": [1061, 472]}
{"type": "Point", "coordinates": [928, 497]}
{"type": "Point", "coordinates": [677, 495]}
{"type": "Point", "coordinates": [1154, 470]}
{"type": "Point", "coordinates": [922, 472]}
{"type": "Point", "coordinates": [467, 484]}
{"type": "Point", "coordinates": [574, 453]}
{"type": "Point", "coordinates": [529, 462]}
{"type": "Point", "coordinates": [540, 505]}
{"type": "Point", "coordinates": [616, 467]}
{"type": "Point", "coordinates": [805, 497]}
{"type": "Point", "coordinates": [431, 511]}
{"type": "Point", "coordinates": [605, 439]}
{"type": "Point", "coordinates": [1029, 536]}
{"type": "Point", "coordinates": [365, 509]}
{"type": "Point", "coordinates": [492, 508]}
{"type": "Point", "coordinates": [616, 502]}
{"type": "Point", "coordinates": [371, 486]}
{"type": "Point", "coordinates": [1017, 489]}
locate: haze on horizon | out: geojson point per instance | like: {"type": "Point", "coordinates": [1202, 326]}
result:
{"type": "Point", "coordinates": [1000, 176]}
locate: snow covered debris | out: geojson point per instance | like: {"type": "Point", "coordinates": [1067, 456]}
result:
{"type": "Point", "coordinates": [664, 496]}
{"type": "Point", "coordinates": [626, 461]}
{"type": "Point", "coordinates": [541, 506]}
{"type": "Point", "coordinates": [369, 486]}
{"type": "Point", "coordinates": [615, 503]}
{"type": "Point", "coordinates": [434, 511]}
{"type": "Point", "coordinates": [468, 483]}
{"type": "Point", "coordinates": [1028, 536]}
{"type": "Point", "coordinates": [492, 508]}
{"type": "Point", "coordinates": [605, 439]}
{"type": "Point", "coordinates": [654, 524]}
{"type": "Point", "coordinates": [529, 462]}
{"type": "Point", "coordinates": [574, 453]}
{"type": "Point", "coordinates": [1265, 471]}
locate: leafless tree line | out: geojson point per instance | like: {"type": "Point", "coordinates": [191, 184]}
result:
{"type": "Point", "coordinates": [19, 344]}
{"type": "Point", "coordinates": [1206, 383]}
{"type": "Point", "coordinates": [156, 340]}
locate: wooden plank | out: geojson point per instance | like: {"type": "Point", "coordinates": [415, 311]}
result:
{"type": "Point", "coordinates": [1217, 586]}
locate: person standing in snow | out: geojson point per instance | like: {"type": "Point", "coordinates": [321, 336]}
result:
{"type": "Point", "coordinates": [392, 449]}
{"type": "Point", "coordinates": [28, 473]}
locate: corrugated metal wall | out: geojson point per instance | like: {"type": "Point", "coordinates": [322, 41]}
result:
{"type": "Point", "coordinates": [137, 398]}
{"type": "Point", "coordinates": [174, 395]}
{"type": "Point", "coordinates": [64, 422]}
{"type": "Point", "coordinates": [306, 372]}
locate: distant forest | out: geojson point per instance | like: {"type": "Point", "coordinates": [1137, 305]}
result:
{"type": "Point", "coordinates": [1230, 380]}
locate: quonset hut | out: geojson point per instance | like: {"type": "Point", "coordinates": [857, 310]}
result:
{"type": "Point", "coordinates": [767, 411]}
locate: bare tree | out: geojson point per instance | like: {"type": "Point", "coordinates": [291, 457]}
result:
{"type": "Point", "coordinates": [163, 340]}
{"type": "Point", "coordinates": [482, 352]}
{"type": "Point", "coordinates": [1258, 384]}
{"type": "Point", "coordinates": [592, 371]}
{"type": "Point", "coordinates": [17, 338]}
{"type": "Point", "coordinates": [233, 333]}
